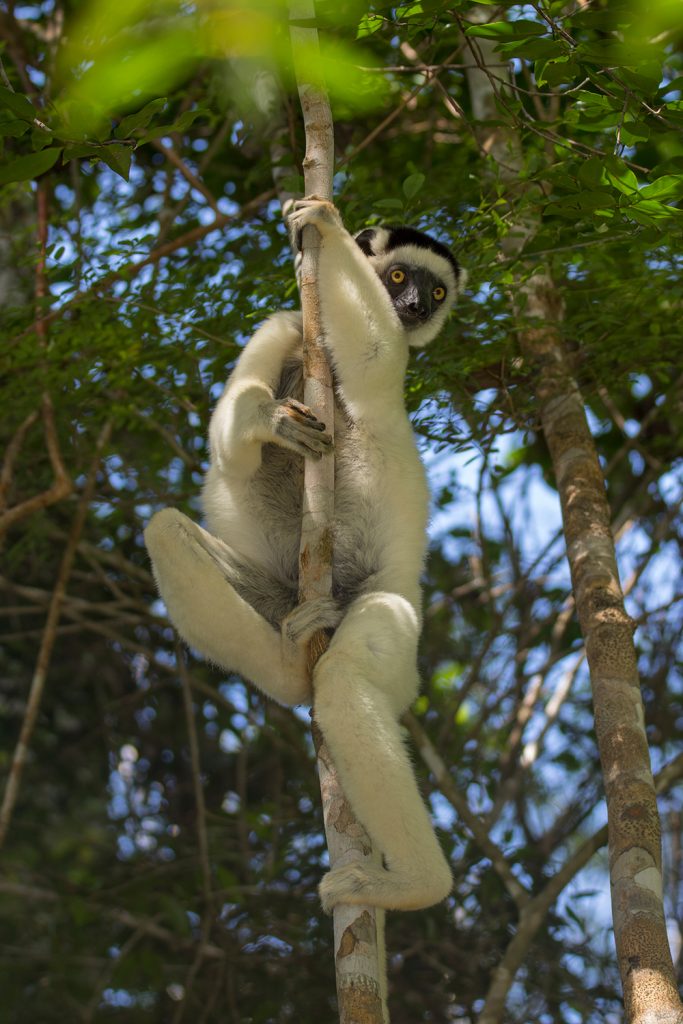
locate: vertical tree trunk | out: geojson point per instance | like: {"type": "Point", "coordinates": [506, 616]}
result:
{"type": "Point", "coordinates": [358, 937]}
{"type": "Point", "coordinates": [644, 958]}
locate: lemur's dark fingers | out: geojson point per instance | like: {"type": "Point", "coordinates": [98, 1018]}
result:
{"type": "Point", "coordinates": [302, 436]}
{"type": "Point", "coordinates": [319, 442]}
{"type": "Point", "coordinates": [302, 204]}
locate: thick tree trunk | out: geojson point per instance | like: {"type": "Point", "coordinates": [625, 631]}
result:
{"type": "Point", "coordinates": [358, 933]}
{"type": "Point", "coordinates": [645, 964]}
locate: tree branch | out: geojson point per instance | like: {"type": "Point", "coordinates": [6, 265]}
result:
{"type": "Point", "coordinates": [358, 932]}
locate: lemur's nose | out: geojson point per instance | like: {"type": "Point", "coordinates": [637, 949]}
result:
{"type": "Point", "coordinates": [419, 310]}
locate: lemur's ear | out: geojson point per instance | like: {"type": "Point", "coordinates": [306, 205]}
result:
{"type": "Point", "coordinates": [364, 240]}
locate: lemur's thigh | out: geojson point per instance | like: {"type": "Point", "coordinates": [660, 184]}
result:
{"type": "Point", "coordinates": [378, 637]}
{"type": "Point", "coordinates": [193, 571]}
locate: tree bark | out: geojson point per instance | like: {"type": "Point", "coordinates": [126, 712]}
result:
{"type": "Point", "coordinates": [644, 958]}
{"type": "Point", "coordinates": [358, 933]}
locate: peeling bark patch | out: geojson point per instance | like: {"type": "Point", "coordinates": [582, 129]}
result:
{"type": "Point", "coordinates": [650, 879]}
{"type": "Point", "coordinates": [343, 820]}
{"type": "Point", "coordinates": [362, 930]}
{"type": "Point", "coordinates": [343, 816]}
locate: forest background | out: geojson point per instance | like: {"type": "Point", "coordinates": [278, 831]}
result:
{"type": "Point", "coordinates": [160, 824]}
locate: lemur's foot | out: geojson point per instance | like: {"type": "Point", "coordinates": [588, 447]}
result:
{"type": "Point", "coordinates": [308, 618]}
{"type": "Point", "coordinates": [360, 883]}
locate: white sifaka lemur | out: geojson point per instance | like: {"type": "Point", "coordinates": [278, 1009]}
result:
{"type": "Point", "coordinates": [232, 591]}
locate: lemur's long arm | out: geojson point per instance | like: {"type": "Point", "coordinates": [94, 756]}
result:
{"type": "Point", "coordinates": [248, 415]}
{"type": "Point", "coordinates": [364, 336]}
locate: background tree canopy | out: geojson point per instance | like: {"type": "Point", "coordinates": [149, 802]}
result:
{"type": "Point", "coordinates": [161, 859]}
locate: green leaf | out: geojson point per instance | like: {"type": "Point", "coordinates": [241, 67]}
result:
{"type": "Point", "coordinates": [534, 48]}
{"type": "Point", "coordinates": [555, 72]}
{"type": "Point", "coordinates": [181, 125]}
{"type": "Point", "coordinates": [593, 112]}
{"type": "Point", "coordinates": [645, 77]}
{"type": "Point", "coordinates": [134, 122]}
{"type": "Point", "coordinates": [592, 172]}
{"type": "Point", "coordinates": [368, 25]}
{"type": "Point", "coordinates": [633, 132]}
{"type": "Point", "coordinates": [619, 175]}
{"type": "Point", "coordinates": [651, 212]}
{"type": "Point", "coordinates": [669, 186]}
{"type": "Point", "coordinates": [12, 126]}
{"type": "Point", "coordinates": [505, 30]}
{"type": "Point", "coordinates": [411, 10]}
{"type": "Point", "coordinates": [40, 139]}
{"type": "Point", "coordinates": [590, 100]}
{"type": "Point", "coordinates": [413, 184]}
{"type": "Point", "coordinates": [30, 166]}
{"type": "Point", "coordinates": [581, 203]}
{"type": "Point", "coordinates": [389, 204]}
{"type": "Point", "coordinates": [117, 157]}
{"type": "Point", "coordinates": [80, 150]}
{"type": "Point", "coordinates": [17, 103]}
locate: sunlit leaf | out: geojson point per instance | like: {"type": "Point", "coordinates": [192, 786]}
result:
{"type": "Point", "coordinates": [669, 186]}
{"type": "Point", "coordinates": [621, 176]}
{"type": "Point", "coordinates": [369, 24]}
{"type": "Point", "coordinates": [649, 211]}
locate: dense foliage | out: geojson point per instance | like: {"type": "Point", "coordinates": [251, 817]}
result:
{"type": "Point", "coordinates": [141, 136]}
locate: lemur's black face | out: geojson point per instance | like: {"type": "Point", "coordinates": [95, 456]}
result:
{"type": "Point", "coordinates": [415, 292]}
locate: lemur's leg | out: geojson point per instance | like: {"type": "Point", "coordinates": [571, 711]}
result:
{"type": "Point", "coordinates": [361, 685]}
{"type": "Point", "coordinates": [192, 569]}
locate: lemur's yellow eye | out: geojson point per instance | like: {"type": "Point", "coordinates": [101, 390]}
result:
{"type": "Point", "coordinates": [397, 276]}
{"type": "Point", "coordinates": [439, 294]}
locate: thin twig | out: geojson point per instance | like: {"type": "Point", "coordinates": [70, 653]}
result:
{"type": "Point", "coordinates": [147, 926]}
{"type": "Point", "coordinates": [190, 177]}
{"type": "Point", "coordinates": [49, 634]}
{"type": "Point", "coordinates": [202, 835]}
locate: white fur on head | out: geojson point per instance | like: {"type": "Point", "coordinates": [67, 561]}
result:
{"type": "Point", "coordinates": [429, 259]}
